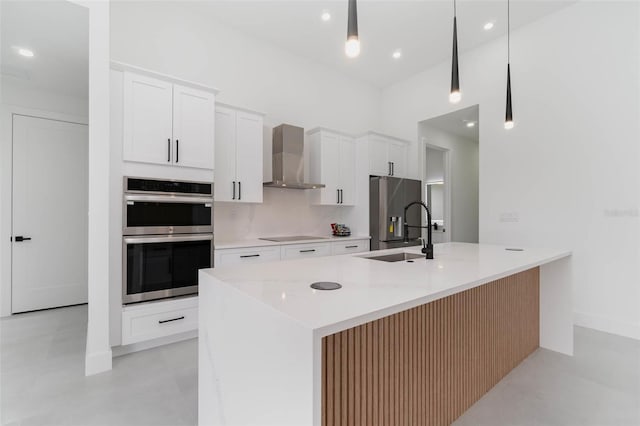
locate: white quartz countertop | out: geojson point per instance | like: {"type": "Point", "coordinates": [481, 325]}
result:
{"type": "Point", "coordinates": [230, 244]}
{"type": "Point", "coordinates": [374, 289]}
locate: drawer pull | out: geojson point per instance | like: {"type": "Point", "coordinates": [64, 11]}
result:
{"type": "Point", "coordinates": [307, 251]}
{"type": "Point", "coordinates": [170, 320]}
{"type": "Point", "coordinates": [249, 255]}
{"type": "Point", "coordinates": [351, 247]}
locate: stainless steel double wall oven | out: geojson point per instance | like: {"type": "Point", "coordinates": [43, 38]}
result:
{"type": "Point", "coordinates": [167, 237]}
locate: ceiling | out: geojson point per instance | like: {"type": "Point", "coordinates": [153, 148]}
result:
{"type": "Point", "coordinates": [456, 123]}
{"type": "Point", "coordinates": [58, 34]}
{"type": "Point", "coordinates": [421, 28]}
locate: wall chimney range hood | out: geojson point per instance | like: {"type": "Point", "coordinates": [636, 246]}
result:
{"type": "Point", "coordinates": [288, 159]}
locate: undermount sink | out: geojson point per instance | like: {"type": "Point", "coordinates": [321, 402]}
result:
{"type": "Point", "coordinates": [396, 257]}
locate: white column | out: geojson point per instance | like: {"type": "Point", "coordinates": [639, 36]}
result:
{"type": "Point", "coordinates": [98, 351]}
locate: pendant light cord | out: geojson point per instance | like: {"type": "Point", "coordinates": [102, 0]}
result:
{"type": "Point", "coordinates": [508, 31]}
{"type": "Point", "coordinates": [455, 13]}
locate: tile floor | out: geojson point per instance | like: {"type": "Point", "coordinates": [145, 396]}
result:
{"type": "Point", "coordinates": [43, 383]}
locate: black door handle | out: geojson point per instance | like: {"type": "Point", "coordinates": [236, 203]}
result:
{"type": "Point", "coordinates": [177, 150]}
{"type": "Point", "coordinates": [169, 150]}
{"type": "Point", "coordinates": [393, 169]}
{"type": "Point", "coordinates": [239, 190]}
{"type": "Point", "coordinates": [307, 251]}
{"type": "Point", "coordinates": [249, 255]}
{"type": "Point", "coordinates": [338, 194]}
{"type": "Point", "coordinates": [20, 238]}
{"type": "Point", "coordinates": [234, 190]}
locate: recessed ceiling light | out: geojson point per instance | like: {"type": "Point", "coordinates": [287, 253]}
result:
{"type": "Point", "coordinates": [25, 52]}
{"type": "Point", "coordinates": [471, 124]}
{"type": "Point", "coordinates": [488, 25]}
{"type": "Point", "coordinates": [326, 16]}
{"type": "Point", "coordinates": [397, 54]}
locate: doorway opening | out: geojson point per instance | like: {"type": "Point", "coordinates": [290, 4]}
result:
{"type": "Point", "coordinates": [450, 173]}
{"type": "Point", "coordinates": [45, 82]}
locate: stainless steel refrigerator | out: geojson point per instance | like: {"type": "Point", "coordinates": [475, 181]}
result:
{"type": "Point", "coordinates": [387, 198]}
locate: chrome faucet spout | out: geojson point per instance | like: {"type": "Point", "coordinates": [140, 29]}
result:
{"type": "Point", "coordinates": [427, 248]}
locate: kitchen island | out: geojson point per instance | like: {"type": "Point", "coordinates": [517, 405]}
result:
{"type": "Point", "coordinates": [410, 342]}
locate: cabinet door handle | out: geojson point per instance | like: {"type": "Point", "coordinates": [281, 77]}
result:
{"type": "Point", "coordinates": [389, 163]}
{"type": "Point", "coordinates": [170, 320]}
{"type": "Point", "coordinates": [341, 196]}
{"type": "Point", "coordinates": [249, 255]}
{"type": "Point", "coordinates": [169, 150]}
{"type": "Point", "coordinates": [20, 238]}
{"type": "Point", "coordinates": [351, 246]}
{"type": "Point", "coordinates": [239, 190]}
{"type": "Point", "coordinates": [338, 195]}
{"type": "Point", "coordinates": [393, 169]}
{"type": "Point", "coordinates": [177, 150]}
{"type": "Point", "coordinates": [233, 197]}
{"type": "Point", "coordinates": [307, 251]}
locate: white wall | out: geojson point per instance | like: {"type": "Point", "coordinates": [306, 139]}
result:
{"type": "Point", "coordinates": [20, 97]}
{"type": "Point", "coordinates": [434, 165]}
{"type": "Point", "coordinates": [568, 175]}
{"type": "Point", "coordinates": [463, 162]}
{"type": "Point", "coordinates": [186, 41]}
{"type": "Point", "coordinates": [21, 93]}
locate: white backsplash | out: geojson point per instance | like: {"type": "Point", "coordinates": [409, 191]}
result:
{"type": "Point", "coordinates": [283, 212]}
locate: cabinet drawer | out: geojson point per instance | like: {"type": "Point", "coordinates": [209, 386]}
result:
{"type": "Point", "coordinates": [351, 246]}
{"type": "Point", "coordinates": [246, 255]}
{"type": "Point", "coordinates": [299, 251]}
{"type": "Point", "coordinates": [158, 319]}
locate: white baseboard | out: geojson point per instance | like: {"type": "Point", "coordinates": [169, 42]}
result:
{"type": "Point", "coordinates": [97, 362]}
{"type": "Point", "coordinates": [607, 325]}
{"type": "Point", "coordinates": [149, 344]}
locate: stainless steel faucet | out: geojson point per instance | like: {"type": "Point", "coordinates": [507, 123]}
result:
{"type": "Point", "coordinates": [427, 248]}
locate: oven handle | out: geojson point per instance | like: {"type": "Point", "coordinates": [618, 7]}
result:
{"type": "Point", "coordinates": [169, 199]}
{"type": "Point", "coordinates": [168, 238]}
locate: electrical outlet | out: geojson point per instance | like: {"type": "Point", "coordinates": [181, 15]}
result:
{"type": "Point", "coordinates": [507, 217]}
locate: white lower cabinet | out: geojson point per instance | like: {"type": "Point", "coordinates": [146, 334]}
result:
{"type": "Point", "coordinates": [243, 256]}
{"type": "Point", "coordinates": [151, 320]}
{"type": "Point", "coordinates": [351, 246]}
{"type": "Point", "coordinates": [300, 251]}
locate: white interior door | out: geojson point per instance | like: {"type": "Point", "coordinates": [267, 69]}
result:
{"type": "Point", "coordinates": [50, 206]}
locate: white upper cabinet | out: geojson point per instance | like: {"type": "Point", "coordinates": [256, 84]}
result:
{"type": "Point", "coordinates": [387, 156]}
{"type": "Point", "coordinates": [239, 150]}
{"type": "Point", "coordinates": [166, 123]}
{"type": "Point", "coordinates": [398, 158]}
{"type": "Point", "coordinates": [332, 162]}
{"type": "Point", "coordinates": [379, 163]}
{"type": "Point", "coordinates": [225, 167]}
{"type": "Point", "coordinates": [148, 133]}
{"type": "Point", "coordinates": [193, 127]}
